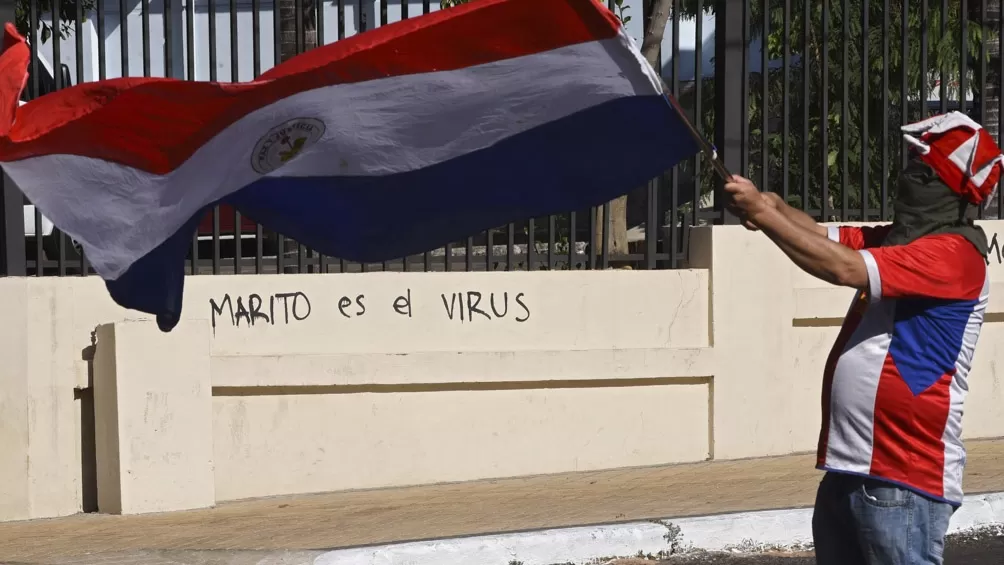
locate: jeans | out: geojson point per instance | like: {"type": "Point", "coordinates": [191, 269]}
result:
{"type": "Point", "coordinates": [861, 521]}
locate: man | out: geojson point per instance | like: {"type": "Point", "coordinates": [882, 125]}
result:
{"type": "Point", "coordinates": [894, 383]}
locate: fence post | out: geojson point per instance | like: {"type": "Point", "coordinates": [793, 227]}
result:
{"type": "Point", "coordinates": [730, 74]}
{"type": "Point", "coordinates": [12, 259]}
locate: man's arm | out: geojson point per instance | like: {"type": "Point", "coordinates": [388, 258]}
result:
{"type": "Point", "coordinates": [795, 215]}
{"type": "Point", "coordinates": [804, 242]}
{"type": "Point", "coordinates": [812, 251]}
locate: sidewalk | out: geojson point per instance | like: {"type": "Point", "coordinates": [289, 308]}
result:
{"type": "Point", "coordinates": [336, 520]}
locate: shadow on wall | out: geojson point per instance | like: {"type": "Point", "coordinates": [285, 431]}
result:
{"type": "Point", "coordinates": [88, 456]}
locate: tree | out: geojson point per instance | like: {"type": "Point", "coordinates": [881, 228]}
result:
{"type": "Point", "coordinates": [26, 19]}
{"type": "Point", "coordinates": [858, 126]}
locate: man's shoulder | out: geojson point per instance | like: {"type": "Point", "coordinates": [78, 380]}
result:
{"type": "Point", "coordinates": [942, 266]}
{"type": "Point", "coordinates": [948, 247]}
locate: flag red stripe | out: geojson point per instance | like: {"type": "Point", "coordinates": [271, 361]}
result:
{"type": "Point", "coordinates": [155, 124]}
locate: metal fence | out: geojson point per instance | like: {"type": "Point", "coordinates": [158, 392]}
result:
{"type": "Point", "coordinates": [803, 96]}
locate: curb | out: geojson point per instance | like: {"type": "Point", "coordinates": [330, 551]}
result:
{"type": "Point", "coordinates": [745, 532]}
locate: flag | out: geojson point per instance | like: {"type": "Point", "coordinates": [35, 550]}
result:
{"type": "Point", "coordinates": [389, 143]}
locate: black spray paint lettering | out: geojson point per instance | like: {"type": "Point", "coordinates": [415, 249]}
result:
{"type": "Point", "coordinates": [402, 304]}
{"type": "Point", "coordinates": [345, 302]}
{"type": "Point", "coordinates": [466, 305]}
{"type": "Point", "coordinates": [993, 250]}
{"type": "Point", "coordinates": [292, 304]}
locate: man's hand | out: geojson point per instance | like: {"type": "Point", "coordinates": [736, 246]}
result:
{"type": "Point", "coordinates": [747, 200]}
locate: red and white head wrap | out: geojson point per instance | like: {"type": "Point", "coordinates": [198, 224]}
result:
{"type": "Point", "coordinates": [961, 152]}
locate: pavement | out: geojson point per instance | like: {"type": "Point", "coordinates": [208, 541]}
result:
{"type": "Point", "coordinates": [297, 529]}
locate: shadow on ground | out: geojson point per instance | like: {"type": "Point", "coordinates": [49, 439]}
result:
{"type": "Point", "coordinates": [969, 550]}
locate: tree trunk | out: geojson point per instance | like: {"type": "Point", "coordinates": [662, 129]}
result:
{"type": "Point", "coordinates": [657, 17]}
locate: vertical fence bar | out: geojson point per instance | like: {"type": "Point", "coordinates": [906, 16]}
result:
{"type": "Point", "coordinates": [845, 193]}
{"type": "Point", "coordinates": [79, 44]}
{"type": "Point", "coordinates": [189, 39]}
{"type": "Point", "coordinates": [865, 138]}
{"type": "Point", "coordinates": [884, 189]}
{"type": "Point", "coordinates": [124, 37]}
{"type": "Point", "coordinates": [552, 226]}
{"type": "Point", "coordinates": [145, 19]}
{"type": "Point", "coordinates": [653, 220]}
{"type": "Point", "coordinates": [426, 8]}
{"type": "Point", "coordinates": [999, 89]}
{"type": "Point", "coordinates": [256, 38]}
{"type": "Point", "coordinates": [99, 8]}
{"type": "Point", "coordinates": [39, 248]}
{"type": "Point", "coordinates": [259, 236]}
{"type": "Point", "coordinates": [744, 129]}
{"type": "Point", "coordinates": [924, 19]}
{"type": "Point", "coordinates": [33, 39]}
{"type": "Point", "coordinates": [963, 54]}
{"type": "Point", "coordinates": [531, 247]}
{"type": "Point", "coordinates": [765, 100]}
{"type": "Point", "coordinates": [652, 223]}
{"type": "Point", "coordinates": [943, 91]}
{"type": "Point", "coordinates": [489, 249]}
{"type": "Point", "coordinates": [698, 115]}
{"type": "Point", "coordinates": [168, 38]}
{"type": "Point", "coordinates": [319, 23]}
{"type": "Point", "coordinates": [571, 241]}
{"type": "Point", "coordinates": [235, 77]}
{"type": "Point", "coordinates": [280, 240]}
{"type": "Point", "coordinates": [657, 217]}
{"type": "Point", "coordinates": [904, 99]}
{"type": "Point", "coordinates": [340, 7]}
{"type": "Point", "coordinates": [510, 248]}
{"type": "Point", "coordinates": [594, 242]}
{"type": "Point", "coordinates": [983, 66]}
{"type": "Point", "coordinates": [730, 83]}
{"type": "Point", "coordinates": [785, 100]}
{"type": "Point", "coordinates": [806, 62]}
{"type": "Point", "coordinates": [824, 112]}
{"type": "Point", "coordinates": [605, 244]}
{"type": "Point", "coordinates": [190, 72]}
{"type": "Point", "coordinates": [469, 254]}
{"type": "Point", "coordinates": [216, 240]}
{"type": "Point", "coordinates": [57, 72]}
{"type": "Point", "coordinates": [212, 39]}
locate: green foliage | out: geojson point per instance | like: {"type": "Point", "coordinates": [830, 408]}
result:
{"type": "Point", "coordinates": [863, 82]}
{"type": "Point", "coordinates": [26, 21]}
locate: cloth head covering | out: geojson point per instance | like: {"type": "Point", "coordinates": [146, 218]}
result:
{"type": "Point", "coordinates": [954, 168]}
{"type": "Point", "coordinates": [961, 152]}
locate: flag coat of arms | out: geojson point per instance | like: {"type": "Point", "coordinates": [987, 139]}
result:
{"type": "Point", "coordinates": [388, 143]}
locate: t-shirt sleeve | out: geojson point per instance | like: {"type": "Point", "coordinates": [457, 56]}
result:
{"type": "Point", "coordinates": [858, 238]}
{"type": "Point", "coordinates": [943, 267]}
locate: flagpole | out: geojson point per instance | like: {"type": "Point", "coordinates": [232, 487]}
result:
{"type": "Point", "coordinates": [706, 147]}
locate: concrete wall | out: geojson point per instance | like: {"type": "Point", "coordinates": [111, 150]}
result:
{"type": "Point", "coordinates": [301, 383]}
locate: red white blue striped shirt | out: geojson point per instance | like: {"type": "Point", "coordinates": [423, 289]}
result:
{"type": "Point", "coordinates": [896, 379]}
